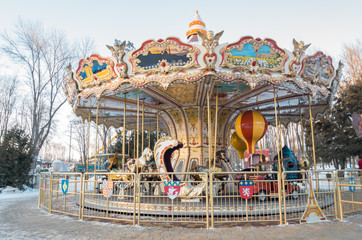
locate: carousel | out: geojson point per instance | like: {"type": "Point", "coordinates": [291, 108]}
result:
{"type": "Point", "coordinates": [199, 92]}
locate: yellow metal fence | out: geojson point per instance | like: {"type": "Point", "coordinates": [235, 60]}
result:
{"type": "Point", "coordinates": [349, 189]}
{"type": "Point", "coordinates": [206, 200]}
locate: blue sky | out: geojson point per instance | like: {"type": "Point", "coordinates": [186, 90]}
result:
{"type": "Point", "coordinates": [328, 25]}
{"type": "Point", "coordinates": [325, 24]}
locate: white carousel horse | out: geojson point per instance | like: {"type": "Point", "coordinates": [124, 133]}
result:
{"type": "Point", "coordinates": [141, 162]}
{"type": "Point", "coordinates": [132, 164]}
{"type": "Point", "coordinates": [164, 148]}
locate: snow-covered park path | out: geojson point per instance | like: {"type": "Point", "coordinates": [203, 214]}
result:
{"type": "Point", "coordinates": [20, 218]}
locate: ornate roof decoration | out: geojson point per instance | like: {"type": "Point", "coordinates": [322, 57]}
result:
{"type": "Point", "coordinates": [247, 75]}
{"type": "Point", "coordinates": [197, 25]}
{"type": "Point", "coordinates": [254, 55]}
{"type": "Point", "coordinates": [163, 56]}
{"type": "Point", "coordinates": [94, 70]}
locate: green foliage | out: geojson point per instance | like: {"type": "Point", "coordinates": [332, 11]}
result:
{"type": "Point", "coordinates": [15, 159]}
{"type": "Point", "coordinates": [117, 146]}
{"type": "Point", "coordinates": [334, 136]}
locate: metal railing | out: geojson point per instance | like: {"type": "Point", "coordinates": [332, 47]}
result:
{"type": "Point", "coordinates": [228, 206]}
{"type": "Point", "coordinates": [296, 193]}
{"type": "Point", "coordinates": [349, 188]}
{"type": "Point", "coordinates": [207, 200]}
{"type": "Point", "coordinates": [190, 206]}
{"type": "Point", "coordinates": [109, 196]}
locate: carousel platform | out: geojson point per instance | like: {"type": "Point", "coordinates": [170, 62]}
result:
{"type": "Point", "coordinates": [223, 206]}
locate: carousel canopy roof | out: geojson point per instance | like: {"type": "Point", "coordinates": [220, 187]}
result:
{"type": "Point", "coordinates": [168, 73]}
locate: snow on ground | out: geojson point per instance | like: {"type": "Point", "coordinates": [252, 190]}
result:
{"type": "Point", "coordinates": [11, 192]}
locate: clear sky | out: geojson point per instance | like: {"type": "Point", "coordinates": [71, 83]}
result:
{"type": "Point", "coordinates": [325, 24]}
{"type": "Point", "coordinates": [328, 25]}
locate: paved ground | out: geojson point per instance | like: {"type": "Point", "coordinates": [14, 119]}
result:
{"type": "Point", "coordinates": [20, 218]}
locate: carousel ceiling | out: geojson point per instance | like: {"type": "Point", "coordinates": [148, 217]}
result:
{"type": "Point", "coordinates": [168, 74]}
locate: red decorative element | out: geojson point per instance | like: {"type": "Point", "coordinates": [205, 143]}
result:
{"type": "Point", "coordinates": [210, 58]}
{"type": "Point", "coordinates": [163, 64]}
{"type": "Point", "coordinates": [254, 63]}
{"type": "Point", "coordinates": [246, 189]}
{"type": "Point", "coordinates": [258, 39]}
{"type": "Point", "coordinates": [160, 40]}
{"type": "Point", "coordinates": [172, 190]}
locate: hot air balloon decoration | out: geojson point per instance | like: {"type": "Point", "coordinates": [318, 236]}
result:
{"type": "Point", "coordinates": [251, 126]}
{"type": "Point", "coordinates": [238, 144]}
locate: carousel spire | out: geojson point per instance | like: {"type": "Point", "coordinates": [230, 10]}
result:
{"type": "Point", "coordinates": [196, 25]}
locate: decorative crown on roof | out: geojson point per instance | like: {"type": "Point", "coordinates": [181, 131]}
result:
{"type": "Point", "coordinates": [197, 25]}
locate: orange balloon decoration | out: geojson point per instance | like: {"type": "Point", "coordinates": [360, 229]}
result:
{"type": "Point", "coordinates": [238, 144]}
{"type": "Point", "coordinates": [251, 127]}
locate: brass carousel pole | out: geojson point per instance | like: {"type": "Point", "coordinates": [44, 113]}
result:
{"type": "Point", "coordinates": [276, 126]}
{"type": "Point", "coordinates": [128, 145]}
{"type": "Point", "coordinates": [216, 112]}
{"type": "Point", "coordinates": [301, 130]}
{"type": "Point", "coordinates": [149, 135]}
{"type": "Point", "coordinates": [96, 145]}
{"type": "Point", "coordinates": [283, 180]}
{"type": "Point", "coordinates": [312, 134]}
{"type": "Point", "coordinates": [280, 136]}
{"type": "Point", "coordinates": [313, 146]}
{"type": "Point", "coordinates": [134, 142]}
{"type": "Point", "coordinates": [124, 132]}
{"type": "Point", "coordinates": [143, 124]}
{"type": "Point", "coordinates": [138, 123]}
{"type": "Point", "coordinates": [209, 128]}
{"type": "Point", "coordinates": [87, 163]}
{"type": "Point", "coordinates": [279, 167]}
{"type": "Point", "coordinates": [157, 130]}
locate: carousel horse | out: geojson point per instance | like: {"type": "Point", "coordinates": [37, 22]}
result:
{"type": "Point", "coordinates": [222, 164]}
{"type": "Point", "coordinates": [132, 164]}
{"type": "Point", "coordinates": [164, 148]}
{"type": "Point", "coordinates": [113, 163]}
{"type": "Point", "coordinates": [141, 162]}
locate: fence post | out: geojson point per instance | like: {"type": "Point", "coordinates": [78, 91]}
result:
{"type": "Point", "coordinates": [137, 197]}
{"type": "Point", "coordinates": [211, 199]}
{"type": "Point", "coordinates": [339, 198]}
{"type": "Point", "coordinates": [81, 197]}
{"type": "Point", "coordinates": [134, 197]}
{"type": "Point", "coordinates": [334, 194]}
{"type": "Point", "coordinates": [280, 199]}
{"type": "Point", "coordinates": [40, 190]}
{"type": "Point", "coordinates": [284, 197]}
{"type": "Point", "coordinates": [50, 192]}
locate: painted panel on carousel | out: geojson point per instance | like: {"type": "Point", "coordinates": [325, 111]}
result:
{"type": "Point", "coordinates": [94, 70]}
{"type": "Point", "coordinates": [254, 54]}
{"type": "Point", "coordinates": [163, 56]}
{"type": "Point", "coordinates": [319, 68]}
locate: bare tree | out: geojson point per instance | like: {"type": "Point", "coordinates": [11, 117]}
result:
{"type": "Point", "coordinates": [81, 138]}
{"type": "Point", "coordinates": [352, 57]}
{"type": "Point", "coordinates": [85, 47]}
{"type": "Point", "coordinates": [105, 135]}
{"type": "Point", "coordinates": [53, 151]}
{"type": "Point", "coordinates": [9, 86]}
{"type": "Point", "coordinates": [43, 55]}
